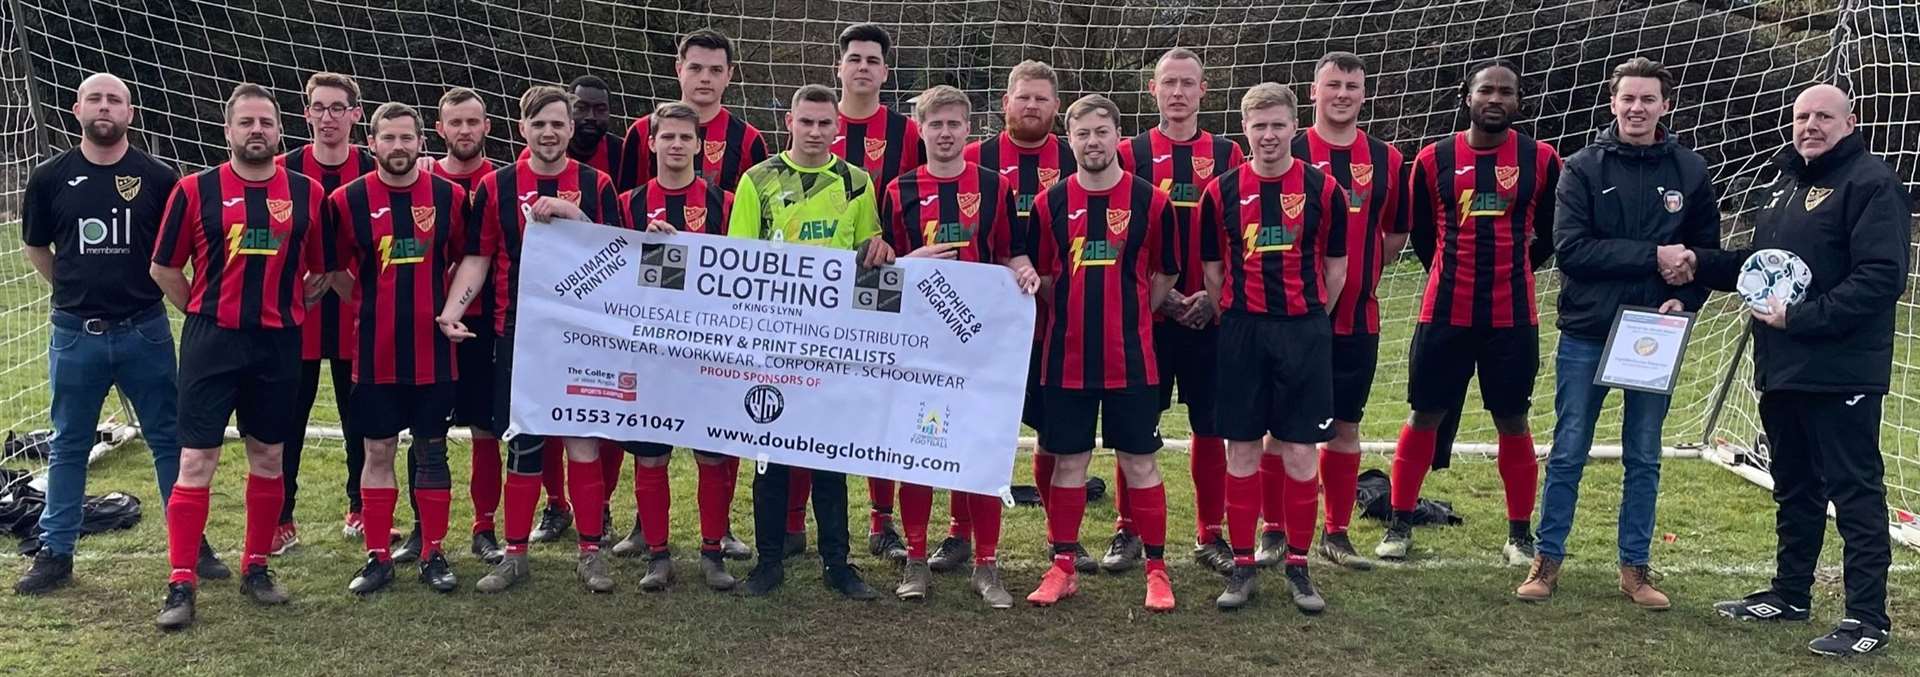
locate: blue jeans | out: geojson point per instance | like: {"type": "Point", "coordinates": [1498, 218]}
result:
{"type": "Point", "coordinates": [135, 354]}
{"type": "Point", "coordinates": [1577, 403]}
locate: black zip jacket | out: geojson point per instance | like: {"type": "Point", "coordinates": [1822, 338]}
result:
{"type": "Point", "coordinates": [1847, 216]}
{"type": "Point", "coordinates": [1618, 202]}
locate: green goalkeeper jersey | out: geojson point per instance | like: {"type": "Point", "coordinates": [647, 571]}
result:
{"type": "Point", "coordinates": [831, 205]}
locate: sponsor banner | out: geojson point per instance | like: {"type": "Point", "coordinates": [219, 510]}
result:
{"type": "Point", "coordinates": [781, 353]}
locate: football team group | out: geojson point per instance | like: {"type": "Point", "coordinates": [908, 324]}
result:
{"type": "Point", "coordinates": [1239, 274]}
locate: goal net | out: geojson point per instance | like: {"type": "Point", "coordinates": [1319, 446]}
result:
{"type": "Point", "coordinates": [1739, 63]}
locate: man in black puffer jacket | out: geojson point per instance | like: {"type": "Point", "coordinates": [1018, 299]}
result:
{"type": "Point", "coordinates": [1631, 205]}
{"type": "Point", "coordinates": [1822, 365]}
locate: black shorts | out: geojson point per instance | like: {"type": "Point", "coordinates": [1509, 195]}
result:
{"type": "Point", "coordinates": [473, 399]}
{"type": "Point", "coordinates": [1031, 412]}
{"type": "Point", "coordinates": [646, 449]}
{"type": "Point", "coordinates": [1129, 420]}
{"type": "Point", "coordinates": [1444, 357]}
{"type": "Point", "coordinates": [502, 382]}
{"type": "Point", "coordinates": [251, 374]}
{"type": "Point", "coordinates": [1355, 358]}
{"type": "Point", "coordinates": [382, 410]}
{"type": "Point", "coordinates": [1276, 376]}
{"type": "Point", "coordinates": [1187, 356]}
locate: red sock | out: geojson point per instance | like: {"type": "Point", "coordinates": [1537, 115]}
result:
{"type": "Point", "coordinates": [611, 458]}
{"type": "Point", "coordinates": [264, 498]}
{"type": "Point", "coordinates": [1303, 499]}
{"type": "Point", "coordinates": [1122, 499]}
{"type": "Point", "coordinates": [376, 505]}
{"type": "Point", "coordinates": [985, 513]}
{"type": "Point", "coordinates": [715, 498]}
{"type": "Point", "coordinates": [434, 506]}
{"type": "Point", "coordinates": [881, 517]}
{"type": "Point", "coordinates": [655, 499]}
{"type": "Point", "coordinates": [1340, 479]}
{"type": "Point", "coordinates": [485, 484]}
{"type": "Point", "coordinates": [186, 528]}
{"type": "Point", "coordinates": [916, 511]}
{"type": "Point", "coordinates": [799, 488]}
{"type": "Point", "coordinates": [522, 495]}
{"type": "Point", "coordinates": [1411, 459]}
{"type": "Point", "coordinates": [1063, 519]}
{"type": "Point", "coordinates": [960, 508]}
{"type": "Point", "coordinates": [1243, 514]}
{"type": "Point", "coordinates": [1273, 477]}
{"type": "Point", "coordinates": [1150, 521]}
{"type": "Point", "coordinates": [589, 497]}
{"type": "Point", "coordinates": [1207, 458]}
{"type": "Point", "coordinates": [1043, 476]}
{"type": "Point", "coordinates": [1520, 473]}
{"type": "Point", "coordinates": [553, 473]}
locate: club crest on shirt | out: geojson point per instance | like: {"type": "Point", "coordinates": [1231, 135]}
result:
{"type": "Point", "coordinates": [1362, 174]}
{"type": "Point", "coordinates": [1203, 167]}
{"type": "Point", "coordinates": [876, 148]}
{"type": "Point", "coordinates": [969, 204]}
{"type": "Point", "coordinates": [1048, 177]}
{"type": "Point", "coordinates": [423, 218]}
{"type": "Point", "coordinates": [1292, 204]}
{"type": "Point", "coordinates": [1117, 220]}
{"type": "Point", "coordinates": [694, 215]}
{"type": "Point", "coordinates": [280, 210]}
{"type": "Point", "coordinates": [129, 187]}
{"type": "Point", "coordinates": [572, 196]}
{"type": "Point", "coordinates": [714, 150]}
{"type": "Point", "coordinates": [1673, 201]}
{"type": "Point", "coordinates": [1508, 176]}
{"type": "Point", "coordinates": [1817, 195]}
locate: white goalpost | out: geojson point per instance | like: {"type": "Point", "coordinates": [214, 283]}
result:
{"type": "Point", "coordinates": [1739, 64]}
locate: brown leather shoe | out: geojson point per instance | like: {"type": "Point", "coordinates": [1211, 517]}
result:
{"type": "Point", "coordinates": [1542, 578]}
{"type": "Point", "coordinates": [1636, 582]}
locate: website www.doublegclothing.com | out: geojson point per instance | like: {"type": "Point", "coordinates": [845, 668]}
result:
{"type": "Point", "coordinates": [833, 450]}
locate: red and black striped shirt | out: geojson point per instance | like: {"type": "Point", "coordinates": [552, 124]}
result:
{"type": "Point", "coordinates": [604, 156]}
{"type": "Point", "coordinates": [697, 207]}
{"type": "Point", "coordinates": [251, 244]}
{"type": "Point", "coordinates": [499, 227]}
{"type": "Point", "coordinates": [728, 147]}
{"type": "Point", "coordinates": [329, 331]}
{"type": "Point", "coordinates": [1102, 250]}
{"type": "Point", "coordinates": [1031, 170]}
{"type": "Point", "coordinates": [1482, 221]}
{"type": "Point", "coordinates": [1183, 170]}
{"type": "Point", "coordinates": [401, 245]}
{"type": "Point", "coordinates": [1373, 175]}
{"type": "Point", "coordinates": [484, 305]}
{"type": "Point", "coordinates": [886, 143]}
{"type": "Point", "coordinates": [1272, 236]}
{"type": "Point", "coordinates": [920, 209]}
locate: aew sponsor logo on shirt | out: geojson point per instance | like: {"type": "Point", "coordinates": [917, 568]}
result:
{"type": "Point", "coordinates": [405, 251]}
{"type": "Point", "coordinates": [930, 425]}
{"type": "Point", "coordinates": [1262, 239]}
{"type": "Point", "coordinates": [1475, 203]}
{"type": "Point", "coordinates": [244, 241]}
{"type": "Point", "coordinates": [602, 383]}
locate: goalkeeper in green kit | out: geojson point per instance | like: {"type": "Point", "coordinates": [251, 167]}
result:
{"type": "Point", "coordinates": [806, 195]}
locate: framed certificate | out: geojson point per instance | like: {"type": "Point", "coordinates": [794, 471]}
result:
{"type": "Point", "coordinates": [1644, 349]}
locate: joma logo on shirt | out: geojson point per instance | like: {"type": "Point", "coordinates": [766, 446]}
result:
{"type": "Point", "coordinates": [1093, 253]}
{"type": "Point", "coordinates": [1262, 239]}
{"type": "Point", "coordinates": [405, 251]}
{"type": "Point", "coordinates": [817, 230]}
{"type": "Point", "coordinates": [250, 241]}
{"type": "Point", "coordinates": [1483, 204]}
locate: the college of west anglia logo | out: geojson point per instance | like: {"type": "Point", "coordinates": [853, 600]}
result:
{"type": "Point", "coordinates": [930, 425]}
{"type": "Point", "coordinates": [764, 403]}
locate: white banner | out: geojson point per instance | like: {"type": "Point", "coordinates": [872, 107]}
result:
{"type": "Point", "coordinates": [772, 352]}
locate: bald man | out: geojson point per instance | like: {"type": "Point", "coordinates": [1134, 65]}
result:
{"type": "Point", "coordinates": [1822, 365]}
{"type": "Point", "coordinates": [89, 222]}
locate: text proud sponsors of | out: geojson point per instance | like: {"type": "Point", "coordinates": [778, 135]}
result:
{"type": "Point", "coordinates": [766, 350]}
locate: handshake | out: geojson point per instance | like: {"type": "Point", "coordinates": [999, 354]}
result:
{"type": "Point", "coordinates": [1677, 263]}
